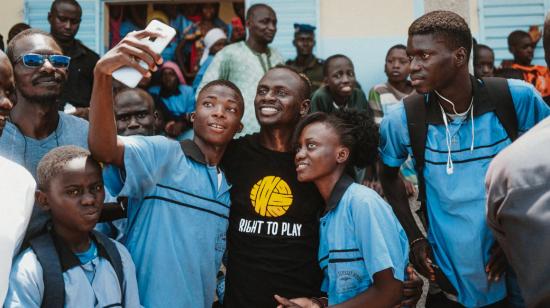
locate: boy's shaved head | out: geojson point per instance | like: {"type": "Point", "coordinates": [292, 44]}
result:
{"type": "Point", "coordinates": [223, 83]}
{"type": "Point", "coordinates": [54, 162]}
{"type": "Point", "coordinates": [252, 9]}
{"type": "Point", "coordinates": [305, 83]}
{"type": "Point", "coordinates": [332, 58]}
{"type": "Point", "coordinates": [516, 36]}
{"type": "Point", "coordinates": [446, 25]}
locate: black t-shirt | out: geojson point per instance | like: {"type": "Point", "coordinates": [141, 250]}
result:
{"type": "Point", "coordinates": [77, 89]}
{"type": "Point", "coordinates": [273, 236]}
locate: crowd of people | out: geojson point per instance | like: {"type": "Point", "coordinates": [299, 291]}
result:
{"type": "Point", "coordinates": [268, 183]}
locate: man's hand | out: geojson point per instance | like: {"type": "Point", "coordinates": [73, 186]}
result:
{"type": "Point", "coordinates": [301, 302]}
{"type": "Point", "coordinates": [412, 289]}
{"type": "Point", "coordinates": [497, 263]}
{"type": "Point", "coordinates": [409, 187]}
{"type": "Point", "coordinates": [82, 112]}
{"type": "Point", "coordinates": [128, 52]}
{"type": "Point", "coordinates": [174, 128]}
{"type": "Point", "coordinates": [420, 257]}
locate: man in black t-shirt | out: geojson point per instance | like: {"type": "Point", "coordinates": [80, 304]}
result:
{"type": "Point", "coordinates": [273, 232]}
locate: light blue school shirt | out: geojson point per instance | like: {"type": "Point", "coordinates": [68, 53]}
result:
{"type": "Point", "coordinates": [178, 104]}
{"type": "Point", "coordinates": [92, 284]}
{"type": "Point", "coordinates": [177, 219]}
{"type": "Point", "coordinates": [458, 232]}
{"type": "Point", "coordinates": [28, 152]}
{"type": "Point", "coordinates": [360, 236]}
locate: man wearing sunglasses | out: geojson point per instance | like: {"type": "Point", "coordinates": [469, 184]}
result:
{"type": "Point", "coordinates": [36, 125]}
{"type": "Point", "coordinates": [64, 18]}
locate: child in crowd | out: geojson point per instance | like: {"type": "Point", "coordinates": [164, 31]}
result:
{"type": "Point", "coordinates": [522, 47]}
{"type": "Point", "coordinates": [177, 97]}
{"type": "Point", "coordinates": [484, 61]}
{"type": "Point", "coordinates": [178, 198]}
{"type": "Point", "coordinates": [363, 250]}
{"type": "Point", "coordinates": [214, 41]}
{"type": "Point", "coordinates": [397, 69]}
{"type": "Point", "coordinates": [71, 265]}
{"type": "Point", "coordinates": [340, 90]}
{"type": "Point", "coordinates": [383, 97]}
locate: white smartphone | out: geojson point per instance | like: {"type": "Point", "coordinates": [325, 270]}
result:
{"type": "Point", "coordinates": [130, 76]}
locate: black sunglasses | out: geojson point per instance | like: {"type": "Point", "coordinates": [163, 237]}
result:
{"type": "Point", "coordinates": [34, 60]}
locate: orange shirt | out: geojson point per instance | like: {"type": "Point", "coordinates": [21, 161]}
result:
{"type": "Point", "coordinates": [537, 75]}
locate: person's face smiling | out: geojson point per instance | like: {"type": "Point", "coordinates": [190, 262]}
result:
{"type": "Point", "coordinates": [42, 83]}
{"type": "Point", "coordinates": [7, 91]}
{"type": "Point", "coordinates": [278, 101]}
{"type": "Point", "coordinates": [317, 153]}
{"type": "Point", "coordinates": [75, 196]}
{"type": "Point", "coordinates": [218, 114]}
{"type": "Point", "coordinates": [432, 65]}
{"type": "Point", "coordinates": [340, 77]}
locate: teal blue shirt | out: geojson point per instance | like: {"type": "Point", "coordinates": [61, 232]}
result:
{"type": "Point", "coordinates": [177, 219]}
{"type": "Point", "coordinates": [359, 237]}
{"type": "Point", "coordinates": [458, 232]}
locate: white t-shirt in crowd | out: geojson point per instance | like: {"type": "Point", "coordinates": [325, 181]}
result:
{"type": "Point", "coordinates": [17, 188]}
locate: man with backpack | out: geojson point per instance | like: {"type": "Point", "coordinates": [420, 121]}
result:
{"type": "Point", "coordinates": [453, 129]}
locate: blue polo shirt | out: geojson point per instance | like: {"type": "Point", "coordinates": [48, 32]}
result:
{"type": "Point", "coordinates": [177, 219]}
{"type": "Point", "coordinates": [360, 236]}
{"type": "Point", "coordinates": [458, 231]}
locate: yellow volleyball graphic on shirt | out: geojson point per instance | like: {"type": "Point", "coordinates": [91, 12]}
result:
{"type": "Point", "coordinates": [271, 196]}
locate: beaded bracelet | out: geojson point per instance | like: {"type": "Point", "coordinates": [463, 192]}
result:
{"type": "Point", "coordinates": [416, 241]}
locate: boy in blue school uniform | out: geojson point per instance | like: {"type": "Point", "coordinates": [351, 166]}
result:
{"type": "Point", "coordinates": [464, 133]}
{"type": "Point", "coordinates": [178, 198]}
{"type": "Point", "coordinates": [71, 265]}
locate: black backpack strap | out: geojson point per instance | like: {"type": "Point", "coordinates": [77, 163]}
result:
{"type": "Point", "coordinates": [114, 258]}
{"type": "Point", "coordinates": [415, 110]}
{"type": "Point", "coordinates": [54, 286]}
{"type": "Point", "coordinates": [499, 92]}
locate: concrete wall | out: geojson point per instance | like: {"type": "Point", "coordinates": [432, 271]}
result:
{"type": "Point", "coordinates": [12, 13]}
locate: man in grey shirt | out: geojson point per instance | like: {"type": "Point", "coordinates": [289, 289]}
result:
{"type": "Point", "coordinates": [36, 126]}
{"type": "Point", "coordinates": [518, 210]}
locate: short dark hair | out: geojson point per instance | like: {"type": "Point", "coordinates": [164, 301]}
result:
{"type": "Point", "coordinates": [447, 25]}
{"type": "Point", "coordinates": [55, 3]}
{"type": "Point", "coordinates": [16, 29]}
{"type": "Point", "coordinates": [546, 33]}
{"type": "Point", "coordinates": [254, 7]}
{"type": "Point", "coordinates": [330, 59]}
{"type": "Point", "coordinates": [137, 91]}
{"type": "Point", "coordinates": [516, 36]}
{"type": "Point", "coordinates": [23, 34]}
{"type": "Point", "coordinates": [397, 46]}
{"type": "Point", "coordinates": [305, 82]}
{"type": "Point", "coordinates": [53, 162]}
{"type": "Point", "coordinates": [356, 128]}
{"type": "Point", "coordinates": [223, 83]}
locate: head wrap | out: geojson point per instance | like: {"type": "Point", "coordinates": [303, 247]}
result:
{"type": "Point", "coordinates": [175, 68]}
{"type": "Point", "coordinates": [210, 39]}
{"type": "Point", "coordinates": [158, 15]}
